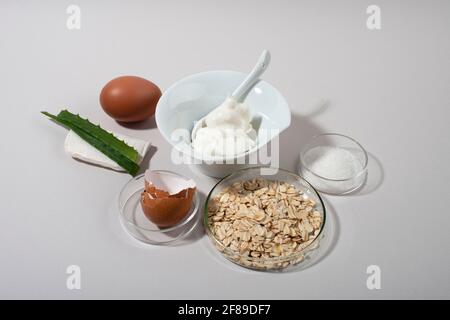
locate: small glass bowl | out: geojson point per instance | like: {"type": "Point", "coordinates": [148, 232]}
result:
{"type": "Point", "coordinates": [331, 185]}
{"type": "Point", "coordinates": [307, 256]}
{"type": "Point", "coordinates": [140, 227]}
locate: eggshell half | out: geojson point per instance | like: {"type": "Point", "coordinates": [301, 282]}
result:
{"type": "Point", "coordinates": [168, 182]}
{"type": "Point", "coordinates": [167, 212]}
{"type": "Point", "coordinates": [167, 198]}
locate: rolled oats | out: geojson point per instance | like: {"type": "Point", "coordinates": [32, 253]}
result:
{"type": "Point", "coordinates": [260, 219]}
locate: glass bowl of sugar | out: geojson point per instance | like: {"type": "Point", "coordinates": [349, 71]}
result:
{"type": "Point", "coordinates": [334, 163]}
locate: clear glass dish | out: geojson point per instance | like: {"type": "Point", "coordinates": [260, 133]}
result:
{"type": "Point", "coordinates": [332, 185]}
{"type": "Point", "coordinates": [300, 259]}
{"type": "Point", "coordinates": [140, 227]}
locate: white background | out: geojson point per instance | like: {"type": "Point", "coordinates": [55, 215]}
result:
{"type": "Point", "coordinates": [389, 89]}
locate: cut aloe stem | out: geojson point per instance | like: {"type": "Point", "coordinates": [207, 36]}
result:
{"type": "Point", "coordinates": [101, 134]}
{"type": "Point", "coordinates": [115, 149]}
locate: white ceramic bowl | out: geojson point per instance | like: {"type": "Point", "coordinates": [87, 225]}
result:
{"type": "Point", "coordinates": [191, 98]}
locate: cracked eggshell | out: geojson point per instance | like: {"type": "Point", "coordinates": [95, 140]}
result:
{"type": "Point", "coordinates": [167, 198]}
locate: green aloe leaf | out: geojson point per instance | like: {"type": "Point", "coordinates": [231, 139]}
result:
{"type": "Point", "coordinates": [98, 132]}
{"type": "Point", "coordinates": [101, 141]}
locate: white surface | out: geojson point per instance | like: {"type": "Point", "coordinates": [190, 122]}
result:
{"type": "Point", "coordinates": [389, 89]}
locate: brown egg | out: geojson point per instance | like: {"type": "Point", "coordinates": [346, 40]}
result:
{"type": "Point", "coordinates": [129, 98]}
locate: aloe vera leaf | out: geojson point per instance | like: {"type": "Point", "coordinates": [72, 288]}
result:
{"type": "Point", "coordinates": [50, 115]}
{"type": "Point", "coordinates": [130, 166]}
{"type": "Point", "coordinates": [103, 135]}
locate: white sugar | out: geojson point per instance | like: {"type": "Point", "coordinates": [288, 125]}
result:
{"type": "Point", "coordinates": [334, 163]}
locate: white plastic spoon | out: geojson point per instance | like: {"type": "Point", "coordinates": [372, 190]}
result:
{"type": "Point", "coordinates": [243, 88]}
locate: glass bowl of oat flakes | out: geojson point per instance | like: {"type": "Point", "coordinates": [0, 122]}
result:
{"type": "Point", "coordinates": [265, 219]}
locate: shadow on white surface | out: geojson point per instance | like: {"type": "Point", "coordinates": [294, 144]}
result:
{"type": "Point", "coordinates": [294, 138]}
{"type": "Point", "coordinates": [147, 124]}
{"type": "Point", "coordinates": [145, 164]}
{"type": "Point", "coordinates": [375, 177]}
{"type": "Point", "coordinates": [316, 108]}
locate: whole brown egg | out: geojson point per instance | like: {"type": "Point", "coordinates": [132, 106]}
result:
{"type": "Point", "coordinates": [129, 98]}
